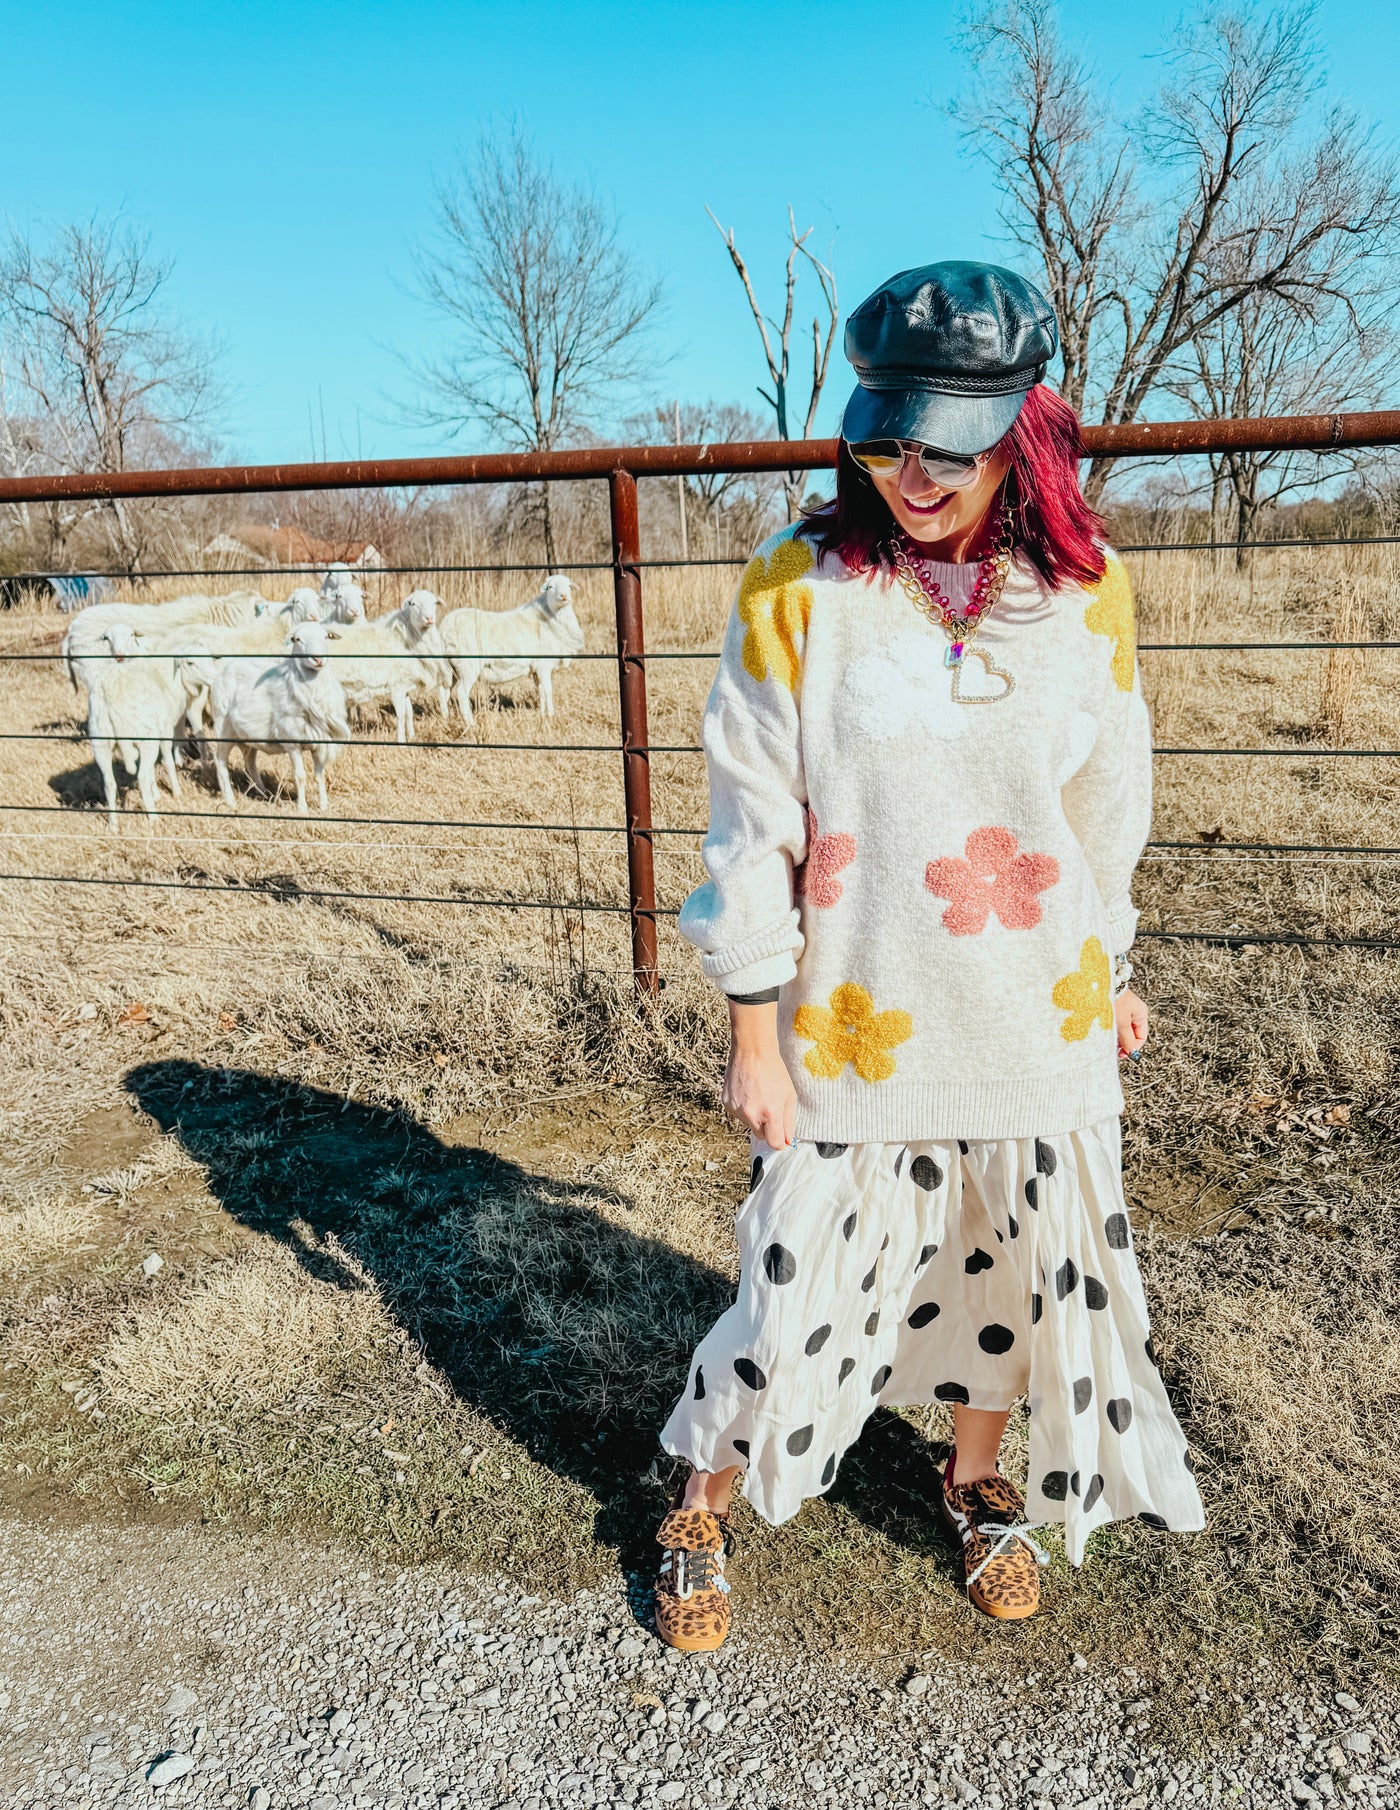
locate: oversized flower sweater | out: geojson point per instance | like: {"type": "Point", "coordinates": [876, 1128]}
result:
{"type": "Point", "coordinates": [937, 888]}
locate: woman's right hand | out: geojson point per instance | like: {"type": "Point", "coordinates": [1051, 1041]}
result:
{"type": "Point", "coordinates": [757, 1087]}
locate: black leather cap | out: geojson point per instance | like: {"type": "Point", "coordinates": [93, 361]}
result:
{"type": "Point", "coordinates": [945, 355]}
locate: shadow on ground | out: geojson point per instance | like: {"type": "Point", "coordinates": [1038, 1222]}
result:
{"type": "Point", "coordinates": [570, 1332]}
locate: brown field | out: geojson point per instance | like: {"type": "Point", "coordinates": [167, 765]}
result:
{"type": "Point", "coordinates": [439, 1216]}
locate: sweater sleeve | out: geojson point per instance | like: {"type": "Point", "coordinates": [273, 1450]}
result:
{"type": "Point", "coordinates": [1108, 802]}
{"type": "Point", "coordinates": [743, 919]}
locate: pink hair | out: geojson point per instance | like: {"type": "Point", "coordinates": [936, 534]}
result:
{"type": "Point", "coordinates": [1058, 532]}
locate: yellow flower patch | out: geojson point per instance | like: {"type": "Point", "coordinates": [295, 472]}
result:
{"type": "Point", "coordinates": [1087, 995]}
{"type": "Point", "coordinates": [849, 1029]}
{"type": "Point", "coordinates": [775, 609]}
{"type": "Point", "coordinates": [1111, 614]}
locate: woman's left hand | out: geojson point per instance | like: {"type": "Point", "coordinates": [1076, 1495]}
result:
{"type": "Point", "coordinates": [1130, 1016]}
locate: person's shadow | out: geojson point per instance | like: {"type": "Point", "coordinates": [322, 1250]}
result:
{"type": "Point", "coordinates": [570, 1332]}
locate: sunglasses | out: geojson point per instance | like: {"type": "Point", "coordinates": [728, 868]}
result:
{"type": "Point", "coordinates": [885, 459]}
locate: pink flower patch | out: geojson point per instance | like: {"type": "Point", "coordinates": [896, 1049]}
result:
{"type": "Point", "coordinates": [992, 878]}
{"type": "Point", "coordinates": [815, 880]}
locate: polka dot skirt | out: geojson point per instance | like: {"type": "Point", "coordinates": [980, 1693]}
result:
{"type": "Point", "coordinates": [972, 1272]}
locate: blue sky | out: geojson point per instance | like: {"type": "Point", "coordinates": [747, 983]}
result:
{"type": "Point", "coordinates": [285, 156]}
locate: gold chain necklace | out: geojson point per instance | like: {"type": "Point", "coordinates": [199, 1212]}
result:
{"type": "Point", "coordinates": [926, 595]}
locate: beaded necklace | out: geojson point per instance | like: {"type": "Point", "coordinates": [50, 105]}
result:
{"type": "Point", "coordinates": [926, 594]}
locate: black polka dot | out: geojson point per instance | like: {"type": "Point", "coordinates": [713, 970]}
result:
{"type": "Point", "coordinates": [847, 1366]}
{"type": "Point", "coordinates": [1156, 1522]}
{"type": "Point", "coordinates": [829, 1469]}
{"type": "Point", "coordinates": [1094, 1491]}
{"type": "Point", "coordinates": [1066, 1280]}
{"type": "Point", "coordinates": [815, 1340]}
{"type": "Point", "coordinates": [1083, 1393]}
{"type": "Point", "coordinates": [885, 1242]}
{"type": "Point", "coordinates": [962, 1145]}
{"type": "Point", "coordinates": [1151, 1351]}
{"type": "Point", "coordinates": [926, 1174]}
{"type": "Point", "coordinates": [755, 1173]}
{"type": "Point", "coordinates": [880, 1378]}
{"type": "Point", "coordinates": [899, 1160]}
{"type": "Point", "coordinates": [979, 1260]}
{"type": "Point", "coordinates": [1037, 1307]}
{"type": "Point", "coordinates": [798, 1442]}
{"type": "Point", "coordinates": [1115, 1229]}
{"type": "Point", "coordinates": [867, 1281]}
{"type": "Point", "coordinates": [872, 1325]}
{"type": "Point", "coordinates": [699, 1384]}
{"type": "Point", "coordinates": [780, 1264]}
{"type": "Point", "coordinates": [1055, 1485]}
{"type": "Point", "coordinates": [748, 1372]}
{"type": "Point", "coordinates": [925, 1315]}
{"type": "Point", "coordinates": [1046, 1162]}
{"type": "Point", "coordinates": [741, 1446]}
{"type": "Point", "coordinates": [1033, 1193]}
{"type": "Point", "coordinates": [929, 1250]}
{"type": "Point", "coordinates": [952, 1392]}
{"type": "Point", "coordinates": [1095, 1294]}
{"type": "Point", "coordinates": [1014, 1226]}
{"type": "Point", "coordinates": [1000, 1239]}
{"type": "Point", "coordinates": [848, 1226]}
{"type": "Point", "coordinates": [1120, 1413]}
{"type": "Point", "coordinates": [1074, 1484]}
{"type": "Point", "coordinates": [1189, 1462]}
{"type": "Point", "coordinates": [995, 1339]}
{"type": "Point", "coordinates": [830, 1149]}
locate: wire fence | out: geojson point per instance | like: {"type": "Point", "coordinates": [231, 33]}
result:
{"type": "Point", "coordinates": [634, 746]}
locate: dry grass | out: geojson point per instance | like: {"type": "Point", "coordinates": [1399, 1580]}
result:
{"type": "Point", "coordinates": [422, 1164]}
{"type": "Point", "coordinates": [247, 1335]}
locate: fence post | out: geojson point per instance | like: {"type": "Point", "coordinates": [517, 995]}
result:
{"type": "Point", "coordinates": [632, 698]}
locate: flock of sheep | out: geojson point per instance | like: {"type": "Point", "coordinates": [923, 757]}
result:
{"type": "Point", "coordinates": [241, 671]}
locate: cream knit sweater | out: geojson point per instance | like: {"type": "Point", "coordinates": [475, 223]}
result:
{"type": "Point", "coordinates": [938, 888]}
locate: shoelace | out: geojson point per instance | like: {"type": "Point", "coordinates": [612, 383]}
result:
{"type": "Point", "coordinates": [707, 1567]}
{"type": "Point", "coordinates": [1022, 1531]}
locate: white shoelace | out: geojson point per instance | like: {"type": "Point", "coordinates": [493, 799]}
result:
{"type": "Point", "coordinates": [1022, 1532]}
{"type": "Point", "coordinates": [674, 1560]}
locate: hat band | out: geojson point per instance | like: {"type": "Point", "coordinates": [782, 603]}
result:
{"type": "Point", "coordinates": [954, 383]}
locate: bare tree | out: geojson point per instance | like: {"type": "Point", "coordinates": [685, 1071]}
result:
{"type": "Point", "coordinates": [1229, 199]}
{"type": "Point", "coordinates": [99, 376]}
{"type": "Point", "coordinates": [1271, 356]}
{"type": "Point", "coordinates": [779, 359]}
{"type": "Point", "coordinates": [549, 312]}
{"type": "Point", "coordinates": [725, 511]}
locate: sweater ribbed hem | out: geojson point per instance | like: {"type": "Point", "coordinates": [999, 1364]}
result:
{"type": "Point", "coordinates": [1122, 927]}
{"type": "Point", "coordinates": [886, 1112]}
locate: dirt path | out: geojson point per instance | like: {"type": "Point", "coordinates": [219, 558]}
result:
{"type": "Point", "coordinates": [263, 1673]}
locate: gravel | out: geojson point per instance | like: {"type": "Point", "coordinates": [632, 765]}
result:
{"type": "Point", "coordinates": [151, 1667]}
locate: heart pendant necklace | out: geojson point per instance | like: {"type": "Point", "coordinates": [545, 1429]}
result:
{"type": "Point", "coordinates": [926, 594]}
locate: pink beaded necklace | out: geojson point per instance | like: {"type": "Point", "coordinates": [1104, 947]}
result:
{"type": "Point", "coordinates": [923, 590]}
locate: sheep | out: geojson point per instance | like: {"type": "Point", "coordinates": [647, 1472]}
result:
{"type": "Point", "coordinates": [81, 651]}
{"type": "Point", "coordinates": [342, 600]}
{"type": "Point", "coordinates": [371, 658]}
{"type": "Point", "coordinates": [536, 637]}
{"type": "Point", "coordinates": [302, 606]}
{"type": "Point", "coordinates": [134, 709]}
{"type": "Point", "coordinates": [281, 705]}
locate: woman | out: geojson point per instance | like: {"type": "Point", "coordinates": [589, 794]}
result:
{"type": "Point", "coordinates": [930, 774]}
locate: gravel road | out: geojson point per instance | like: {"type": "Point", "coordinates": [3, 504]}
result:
{"type": "Point", "coordinates": [192, 1667]}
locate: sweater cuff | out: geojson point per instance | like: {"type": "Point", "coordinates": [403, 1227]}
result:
{"type": "Point", "coordinates": [1122, 926]}
{"type": "Point", "coordinates": [757, 977]}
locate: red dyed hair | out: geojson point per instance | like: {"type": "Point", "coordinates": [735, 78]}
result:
{"type": "Point", "coordinates": [1058, 532]}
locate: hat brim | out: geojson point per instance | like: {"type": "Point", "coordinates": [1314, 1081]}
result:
{"type": "Point", "coordinates": [964, 425]}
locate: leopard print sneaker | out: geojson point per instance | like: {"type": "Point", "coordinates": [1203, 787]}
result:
{"type": "Point", "coordinates": [692, 1593]}
{"type": "Point", "coordinates": [1000, 1560]}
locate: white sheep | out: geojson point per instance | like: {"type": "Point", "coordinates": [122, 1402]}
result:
{"type": "Point", "coordinates": [342, 600]}
{"type": "Point", "coordinates": [83, 654]}
{"type": "Point", "coordinates": [134, 710]}
{"type": "Point", "coordinates": [302, 606]}
{"type": "Point", "coordinates": [279, 706]}
{"type": "Point", "coordinates": [536, 637]}
{"type": "Point", "coordinates": [373, 664]}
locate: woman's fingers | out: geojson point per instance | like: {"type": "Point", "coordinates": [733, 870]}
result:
{"type": "Point", "coordinates": [790, 1119]}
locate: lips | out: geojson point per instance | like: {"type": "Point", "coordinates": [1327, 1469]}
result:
{"type": "Point", "coordinates": [926, 508]}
